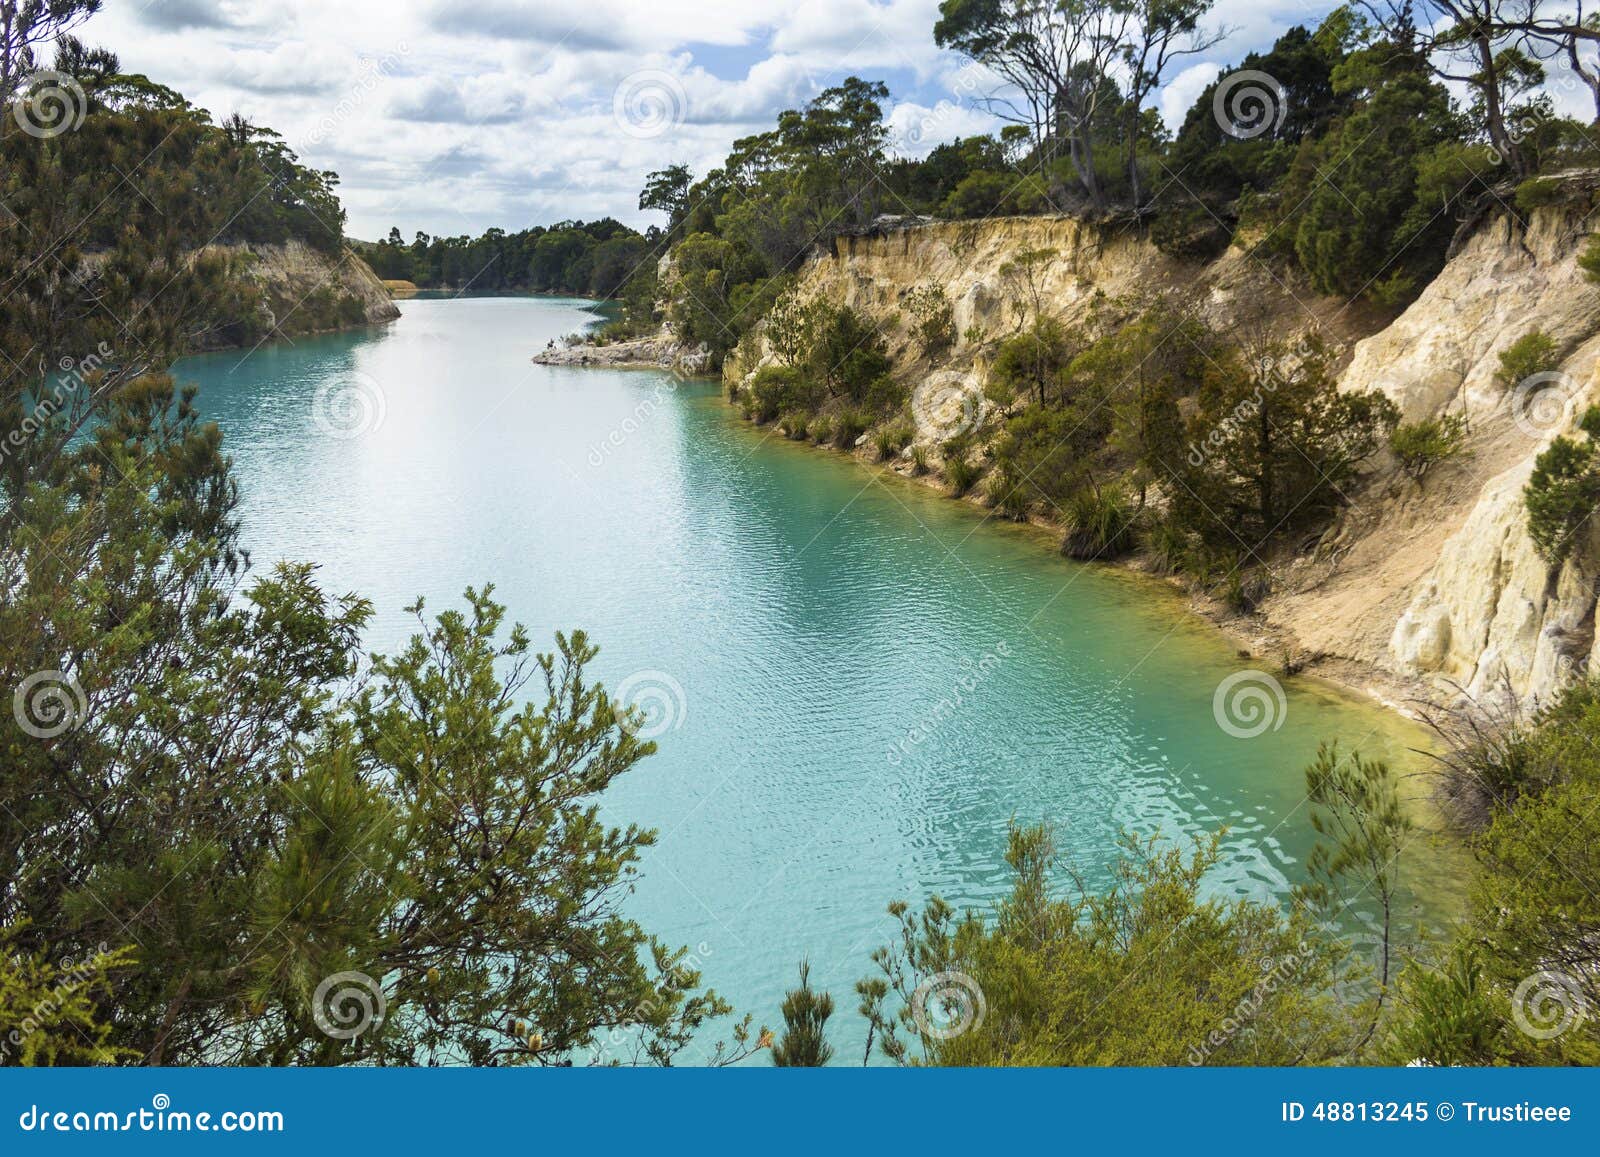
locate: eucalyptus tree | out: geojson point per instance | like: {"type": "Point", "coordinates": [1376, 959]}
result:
{"type": "Point", "coordinates": [1160, 32]}
{"type": "Point", "coordinates": [27, 26]}
{"type": "Point", "coordinates": [1055, 57]}
{"type": "Point", "coordinates": [1482, 44]}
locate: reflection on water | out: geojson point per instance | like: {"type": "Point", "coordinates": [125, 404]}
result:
{"type": "Point", "coordinates": [857, 686]}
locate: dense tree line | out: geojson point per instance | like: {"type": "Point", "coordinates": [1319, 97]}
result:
{"type": "Point", "coordinates": [593, 259]}
{"type": "Point", "coordinates": [1340, 151]}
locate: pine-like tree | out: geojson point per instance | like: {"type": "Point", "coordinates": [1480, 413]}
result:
{"type": "Point", "coordinates": [805, 1017]}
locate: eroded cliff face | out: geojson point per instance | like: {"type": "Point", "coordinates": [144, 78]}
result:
{"type": "Point", "coordinates": [1434, 586]}
{"type": "Point", "coordinates": [293, 289]}
{"type": "Point", "coordinates": [1482, 609]}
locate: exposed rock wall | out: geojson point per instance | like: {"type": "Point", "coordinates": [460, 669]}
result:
{"type": "Point", "coordinates": [297, 290]}
{"type": "Point", "coordinates": [1438, 584]}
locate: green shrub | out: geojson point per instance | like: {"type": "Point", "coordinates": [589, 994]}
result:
{"type": "Point", "coordinates": [1100, 523]}
{"type": "Point", "coordinates": [919, 459]}
{"type": "Point", "coordinates": [890, 440]}
{"type": "Point", "coordinates": [1420, 446]}
{"type": "Point", "coordinates": [1589, 259]}
{"type": "Point", "coordinates": [1142, 973]}
{"type": "Point", "coordinates": [981, 194]}
{"type": "Point", "coordinates": [851, 425]}
{"type": "Point", "coordinates": [1008, 493]}
{"type": "Point", "coordinates": [961, 474]}
{"type": "Point", "coordinates": [1245, 588]}
{"type": "Point", "coordinates": [935, 327]}
{"type": "Point", "coordinates": [777, 389]}
{"type": "Point", "coordinates": [1537, 192]}
{"type": "Point", "coordinates": [847, 354]}
{"type": "Point", "coordinates": [1563, 492]}
{"type": "Point", "coordinates": [1030, 366]}
{"type": "Point", "coordinates": [1171, 546]}
{"type": "Point", "coordinates": [795, 424]}
{"type": "Point", "coordinates": [1532, 353]}
{"type": "Point", "coordinates": [884, 396]}
{"type": "Point", "coordinates": [822, 430]}
{"type": "Point", "coordinates": [1189, 231]}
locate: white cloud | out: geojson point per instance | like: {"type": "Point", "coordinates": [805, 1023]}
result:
{"type": "Point", "coordinates": [501, 112]}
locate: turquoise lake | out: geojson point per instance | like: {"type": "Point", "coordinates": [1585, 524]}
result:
{"type": "Point", "coordinates": [855, 683]}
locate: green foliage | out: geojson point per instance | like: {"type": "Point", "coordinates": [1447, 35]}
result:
{"type": "Point", "coordinates": [592, 259]}
{"type": "Point", "coordinates": [961, 474]}
{"type": "Point", "coordinates": [1273, 446]}
{"type": "Point", "coordinates": [804, 1043]}
{"type": "Point", "coordinates": [1515, 984]}
{"type": "Point", "coordinates": [1356, 809]}
{"type": "Point", "coordinates": [1352, 194]}
{"type": "Point", "coordinates": [935, 325]}
{"type": "Point", "coordinates": [791, 327]}
{"type": "Point", "coordinates": [1101, 523]}
{"type": "Point", "coordinates": [847, 354]}
{"type": "Point", "coordinates": [982, 194]}
{"type": "Point", "coordinates": [1537, 192]}
{"type": "Point", "coordinates": [1589, 258]}
{"type": "Point", "coordinates": [1031, 365]}
{"type": "Point", "coordinates": [1046, 452]}
{"type": "Point", "coordinates": [919, 459]}
{"type": "Point", "coordinates": [849, 425]}
{"type": "Point", "coordinates": [1451, 1014]}
{"type": "Point", "coordinates": [1563, 492]}
{"type": "Point", "coordinates": [50, 1012]}
{"type": "Point", "coordinates": [229, 816]}
{"type": "Point", "coordinates": [889, 441]}
{"type": "Point", "coordinates": [1422, 445]}
{"type": "Point", "coordinates": [1146, 972]}
{"type": "Point", "coordinates": [706, 271]}
{"type": "Point", "coordinates": [778, 389]}
{"type": "Point", "coordinates": [1532, 353]}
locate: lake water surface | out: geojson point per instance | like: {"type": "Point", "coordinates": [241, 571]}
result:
{"type": "Point", "coordinates": [857, 684]}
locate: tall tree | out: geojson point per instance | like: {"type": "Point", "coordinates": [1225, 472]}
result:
{"type": "Point", "coordinates": [26, 26]}
{"type": "Point", "coordinates": [1161, 32]}
{"type": "Point", "coordinates": [1055, 57]}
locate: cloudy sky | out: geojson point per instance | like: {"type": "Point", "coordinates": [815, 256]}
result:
{"type": "Point", "coordinates": [450, 116]}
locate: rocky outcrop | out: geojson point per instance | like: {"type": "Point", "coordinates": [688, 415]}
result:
{"type": "Point", "coordinates": [1433, 586]}
{"type": "Point", "coordinates": [659, 351]}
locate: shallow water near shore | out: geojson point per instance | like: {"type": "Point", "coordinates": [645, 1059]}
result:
{"type": "Point", "coordinates": [855, 684]}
